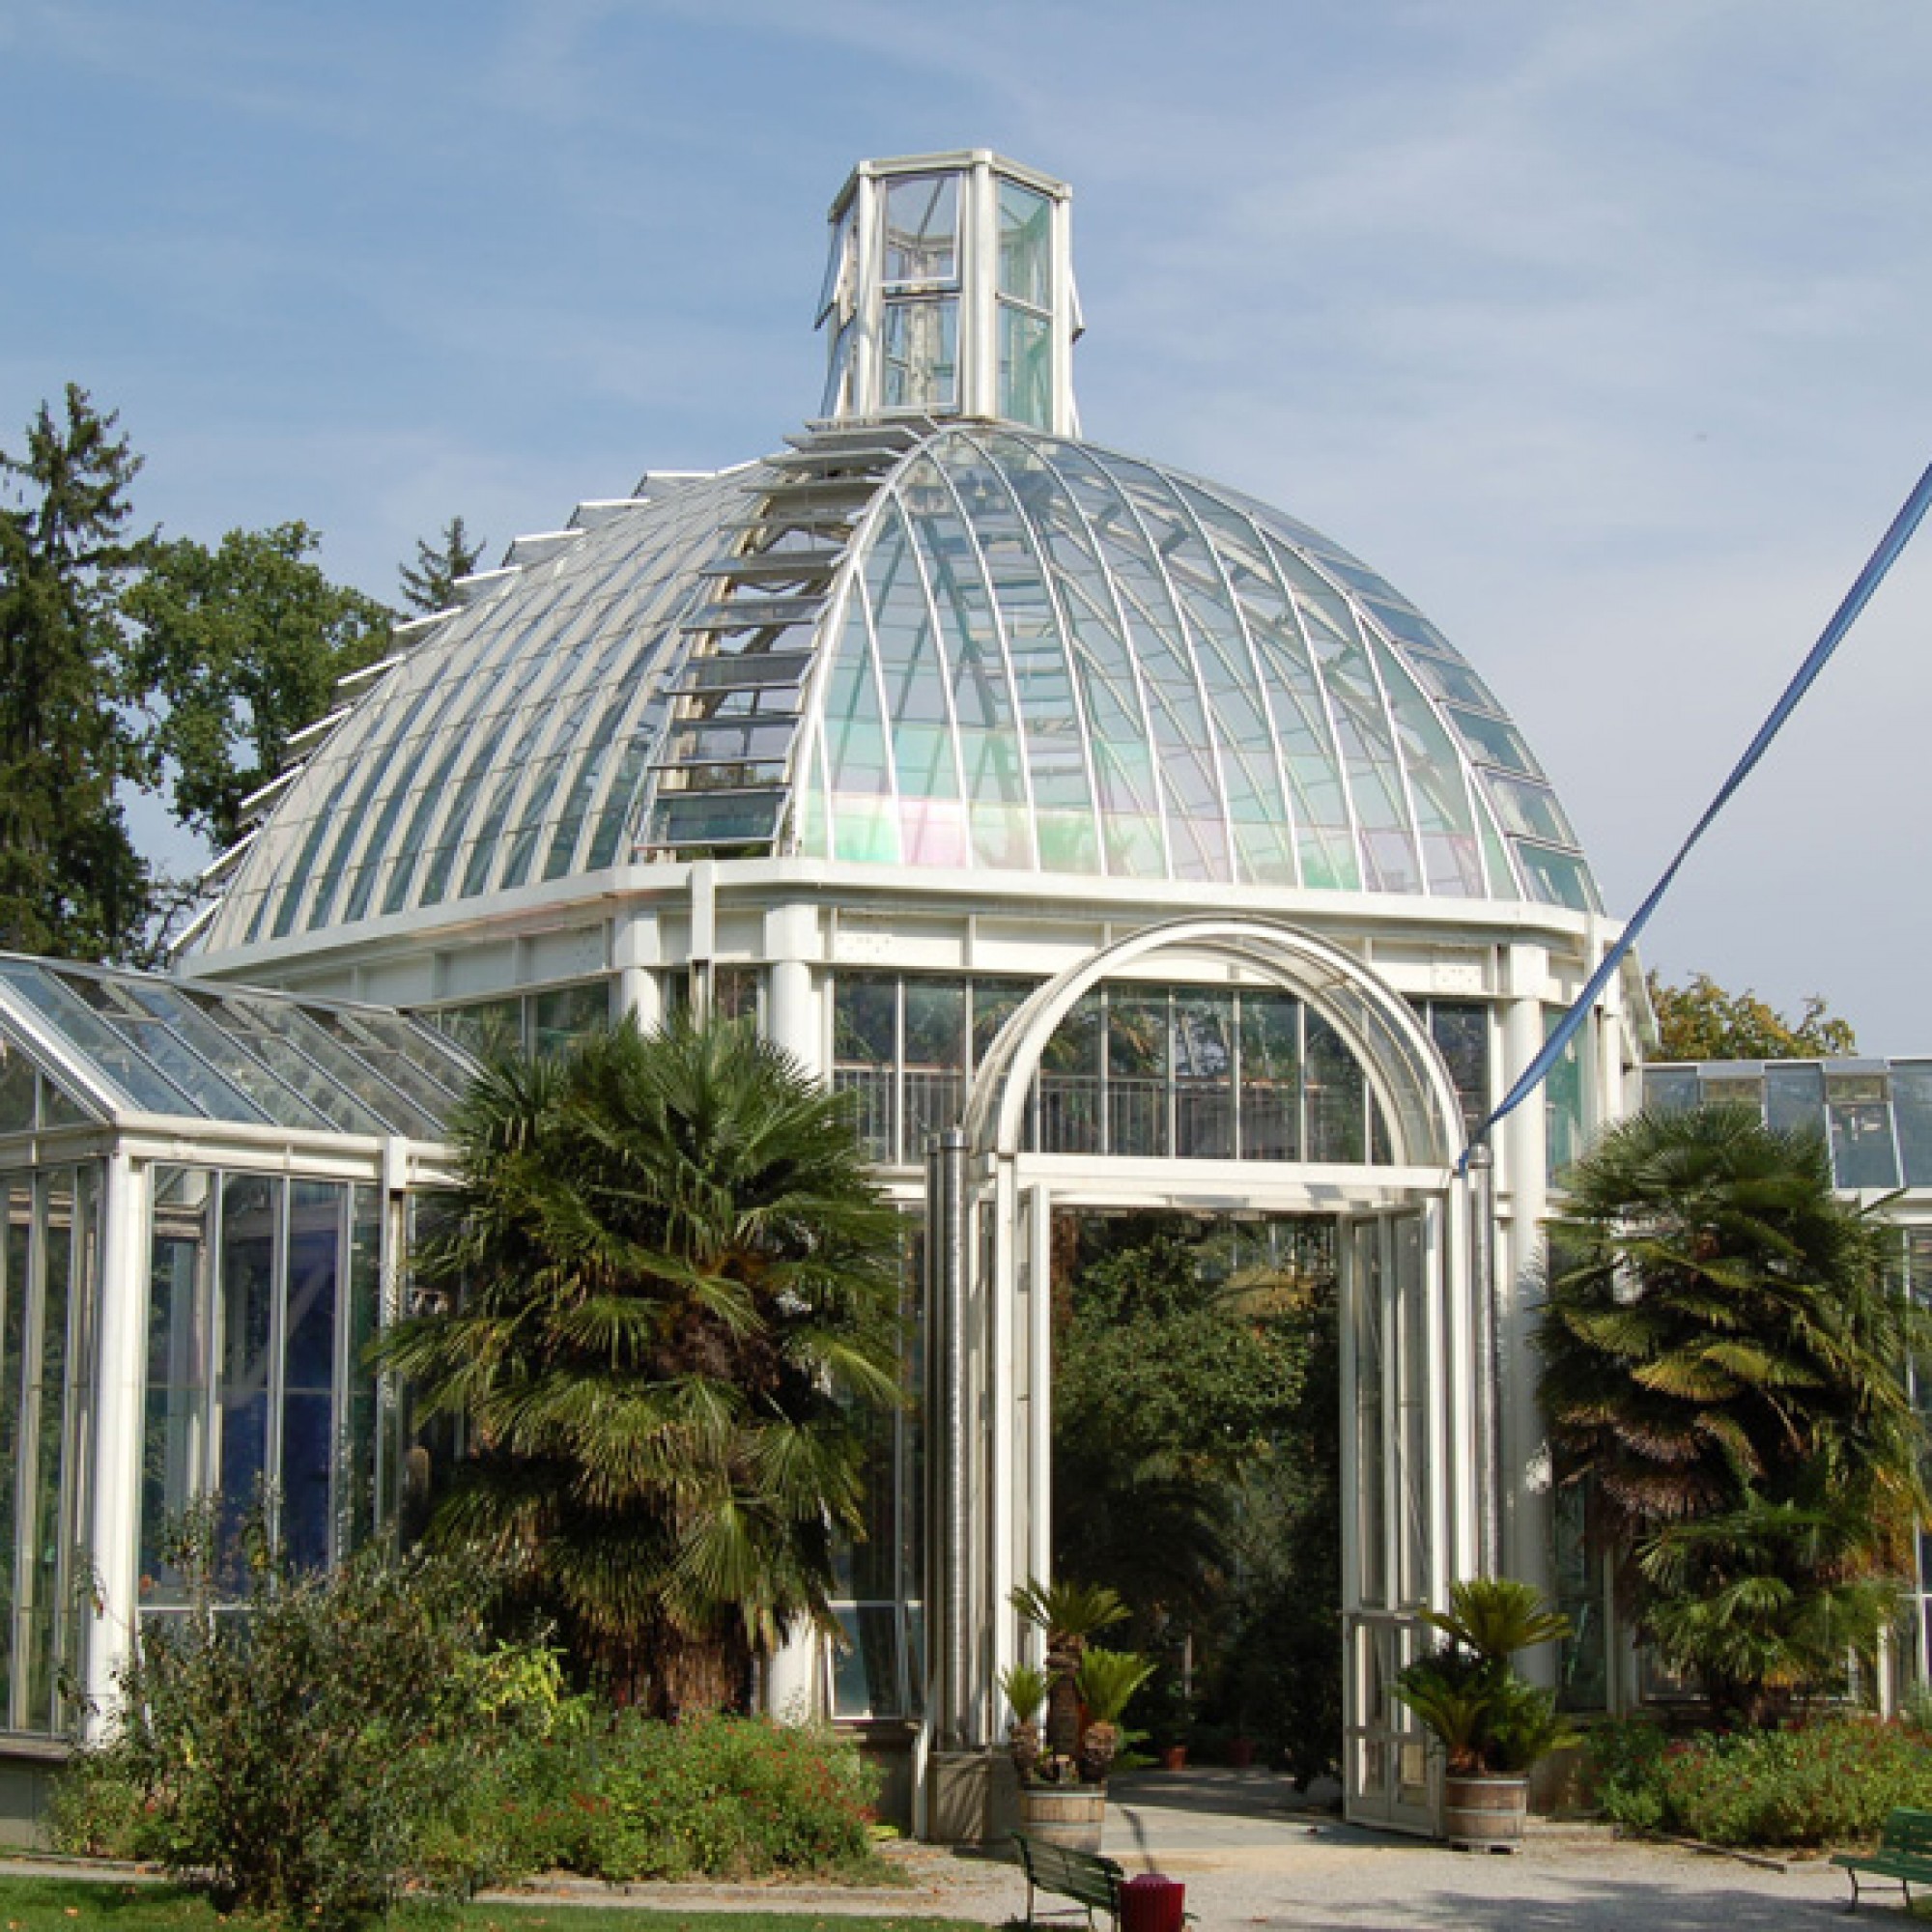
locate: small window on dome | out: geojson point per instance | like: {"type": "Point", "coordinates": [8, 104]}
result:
{"type": "Point", "coordinates": [1026, 260]}
{"type": "Point", "coordinates": [922, 231]}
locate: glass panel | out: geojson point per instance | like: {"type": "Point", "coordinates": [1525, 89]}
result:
{"type": "Point", "coordinates": [357, 1484]}
{"type": "Point", "coordinates": [41, 1563]}
{"type": "Point", "coordinates": [1203, 1076]}
{"type": "Point", "coordinates": [1912, 1109]}
{"type": "Point", "coordinates": [1370, 1499]}
{"type": "Point", "coordinates": [567, 1013]}
{"type": "Point", "coordinates": [1270, 1077]}
{"type": "Point", "coordinates": [174, 1440]}
{"type": "Point", "coordinates": [1025, 367]}
{"type": "Point", "coordinates": [1563, 1104]}
{"type": "Point", "coordinates": [94, 1039]}
{"type": "Point", "coordinates": [735, 992]}
{"type": "Point", "coordinates": [866, 1669]}
{"type": "Point", "coordinates": [1337, 1096]}
{"type": "Point", "coordinates": [251, 1212]}
{"type": "Point", "coordinates": [1462, 1034]}
{"type": "Point", "coordinates": [308, 1370]}
{"type": "Point", "coordinates": [14, 1410]}
{"type": "Point", "coordinates": [921, 346]}
{"type": "Point", "coordinates": [1794, 1099]}
{"type": "Point", "coordinates": [1069, 1081]}
{"type": "Point", "coordinates": [1026, 245]}
{"type": "Point", "coordinates": [1137, 1074]}
{"type": "Point", "coordinates": [922, 230]}
{"type": "Point", "coordinates": [1556, 878]}
{"type": "Point", "coordinates": [994, 1003]}
{"type": "Point", "coordinates": [1670, 1090]}
{"type": "Point", "coordinates": [487, 1027]}
{"type": "Point", "coordinates": [1863, 1154]}
{"type": "Point", "coordinates": [17, 1089]}
{"type": "Point", "coordinates": [935, 1059]}
{"type": "Point", "coordinates": [865, 1051]}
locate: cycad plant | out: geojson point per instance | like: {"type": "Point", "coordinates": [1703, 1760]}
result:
{"type": "Point", "coordinates": [1488, 1719]}
{"type": "Point", "coordinates": [666, 1298]}
{"type": "Point", "coordinates": [1085, 1688]}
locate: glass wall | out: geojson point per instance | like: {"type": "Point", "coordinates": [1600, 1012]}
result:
{"type": "Point", "coordinates": [1147, 1071]}
{"type": "Point", "coordinates": [877, 1587]}
{"type": "Point", "coordinates": [263, 1294]}
{"type": "Point", "coordinates": [49, 1279]}
{"type": "Point", "coordinates": [539, 1022]}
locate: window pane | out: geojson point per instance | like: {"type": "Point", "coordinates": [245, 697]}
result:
{"type": "Point", "coordinates": [1336, 1097]}
{"type": "Point", "coordinates": [1912, 1108]}
{"type": "Point", "coordinates": [308, 1370]}
{"type": "Point", "coordinates": [1462, 1034]}
{"type": "Point", "coordinates": [922, 218]}
{"type": "Point", "coordinates": [1025, 367]}
{"type": "Point", "coordinates": [18, 1196]}
{"type": "Point", "coordinates": [1203, 1076]}
{"type": "Point", "coordinates": [39, 1568]}
{"type": "Point", "coordinates": [250, 1215]}
{"type": "Point", "coordinates": [922, 354]}
{"type": "Point", "coordinates": [174, 1437]}
{"type": "Point", "coordinates": [1137, 1070]}
{"type": "Point", "coordinates": [935, 1057]}
{"type": "Point", "coordinates": [1270, 1077]}
{"type": "Point", "coordinates": [566, 1014]}
{"type": "Point", "coordinates": [1026, 233]}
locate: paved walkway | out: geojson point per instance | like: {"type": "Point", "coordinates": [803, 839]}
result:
{"type": "Point", "coordinates": [1251, 1853]}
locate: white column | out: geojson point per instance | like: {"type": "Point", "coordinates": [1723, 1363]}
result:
{"type": "Point", "coordinates": [1526, 1471]}
{"type": "Point", "coordinates": [1040, 1396]}
{"type": "Point", "coordinates": [635, 953]}
{"type": "Point", "coordinates": [113, 1522]}
{"type": "Point", "coordinates": [793, 1684]}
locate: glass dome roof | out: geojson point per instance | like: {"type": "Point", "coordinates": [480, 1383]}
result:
{"type": "Point", "coordinates": [964, 645]}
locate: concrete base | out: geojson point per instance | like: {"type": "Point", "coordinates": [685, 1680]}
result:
{"type": "Point", "coordinates": [972, 1798]}
{"type": "Point", "coordinates": [28, 1770]}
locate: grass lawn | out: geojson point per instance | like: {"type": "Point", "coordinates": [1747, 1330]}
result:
{"type": "Point", "coordinates": [84, 1905]}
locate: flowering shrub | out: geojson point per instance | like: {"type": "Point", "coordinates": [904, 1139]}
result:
{"type": "Point", "coordinates": [1827, 1782]}
{"type": "Point", "coordinates": [716, 1797]}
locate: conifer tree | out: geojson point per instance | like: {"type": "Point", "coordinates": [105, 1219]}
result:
{"type": "Point", "coordinates": [71, 882]}
{"type": "Point", "coordinates": [429, 584]}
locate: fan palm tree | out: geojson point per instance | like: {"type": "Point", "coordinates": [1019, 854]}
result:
{"type": "Point", "coordinates": [667, 1297]}
{"type": "Point", "coordinates": [1719, 1329]}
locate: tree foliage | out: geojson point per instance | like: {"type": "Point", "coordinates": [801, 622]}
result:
{"type": "Point", "coordinates": [671, 1296]}
{"type": "Point", "coordinates": [1700, 1020]}
{"type": "Point", "coordinates": [429, 585]}
{"type": "Point", "coordinates": [237, 649]}
{"type": "Point", "coordinates": [1718, 1336]}
{"type": "Point", "coordinates": [71, 882]}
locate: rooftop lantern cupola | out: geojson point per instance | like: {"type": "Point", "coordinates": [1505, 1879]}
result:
{"type": "Point", "coordinates": [948, 291]}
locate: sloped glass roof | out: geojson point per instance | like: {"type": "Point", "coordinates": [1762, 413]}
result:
{"type": "Point", "coordinates": [1875, 1116]}
{"type": "Point", "coordinates": [972, 646]}
{"type": "Point", "coordinates": [107, 1043]}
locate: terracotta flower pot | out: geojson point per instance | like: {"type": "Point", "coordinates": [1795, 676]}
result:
{"type": "Point", "coordinates": [1173, 1757]}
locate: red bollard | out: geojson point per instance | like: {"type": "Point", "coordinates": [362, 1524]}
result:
{"type": "Point", "coordinates": [1151, 1903]}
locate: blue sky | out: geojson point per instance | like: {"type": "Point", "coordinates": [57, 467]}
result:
{"type": "Point", "coordinates": [1599, 328]}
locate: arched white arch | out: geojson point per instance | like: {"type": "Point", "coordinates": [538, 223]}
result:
{"type": "Point", "coordinates": [990, 1207]}
{"type": "Point", "coordinates": [1403, 1066]}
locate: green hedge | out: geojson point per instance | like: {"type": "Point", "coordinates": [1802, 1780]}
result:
{"type": "Point", "coordinates": [1827, 1782]}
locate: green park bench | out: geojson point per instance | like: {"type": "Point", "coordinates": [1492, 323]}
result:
{"type": "Point", "coordinates": [1904, 1855]}
{"type": "Point", "coordinates": [1090, 1881]}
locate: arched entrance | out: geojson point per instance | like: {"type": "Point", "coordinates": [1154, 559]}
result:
{"type": "Point", "coordinates": [1414, 1417]}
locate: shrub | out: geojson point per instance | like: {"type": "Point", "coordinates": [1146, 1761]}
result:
{"type": "Point", "coordinates": [719, 1797]}
{"type": "Point", "coordinates": [321, 1747]}
{"type": "Point", "coordinates": [1825, 1782]}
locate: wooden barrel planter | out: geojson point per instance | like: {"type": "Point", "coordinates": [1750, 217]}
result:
{"type": "Point", "coordinates": [1071, 1815]}
{"type": "Point", "coordinates": [1485, 1814]}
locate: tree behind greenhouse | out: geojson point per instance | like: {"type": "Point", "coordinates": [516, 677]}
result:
{"type": "Point", "coordinates": [669, 1302]}
{"type": "Point", "coordinates": [71, 882]}
{"type": "Point", "coordinates": [1701, 1020]}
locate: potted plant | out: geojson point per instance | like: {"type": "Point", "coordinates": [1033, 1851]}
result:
{"type": "Point", "coordinates": [1492, 1725]}
{"type": "Point", "coordinates": [1082, 1693]}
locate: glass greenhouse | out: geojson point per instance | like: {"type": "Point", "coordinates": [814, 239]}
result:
{"type": "Point", "coordinates": [208, 1194]}
{"type": "Point", "coordinates": [1121, 844]}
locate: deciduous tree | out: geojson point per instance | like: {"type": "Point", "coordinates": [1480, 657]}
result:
{"type": "Point", "coordinates": [1700, 1020]}
{"type": "Point", "coordinates": [235, 649]}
